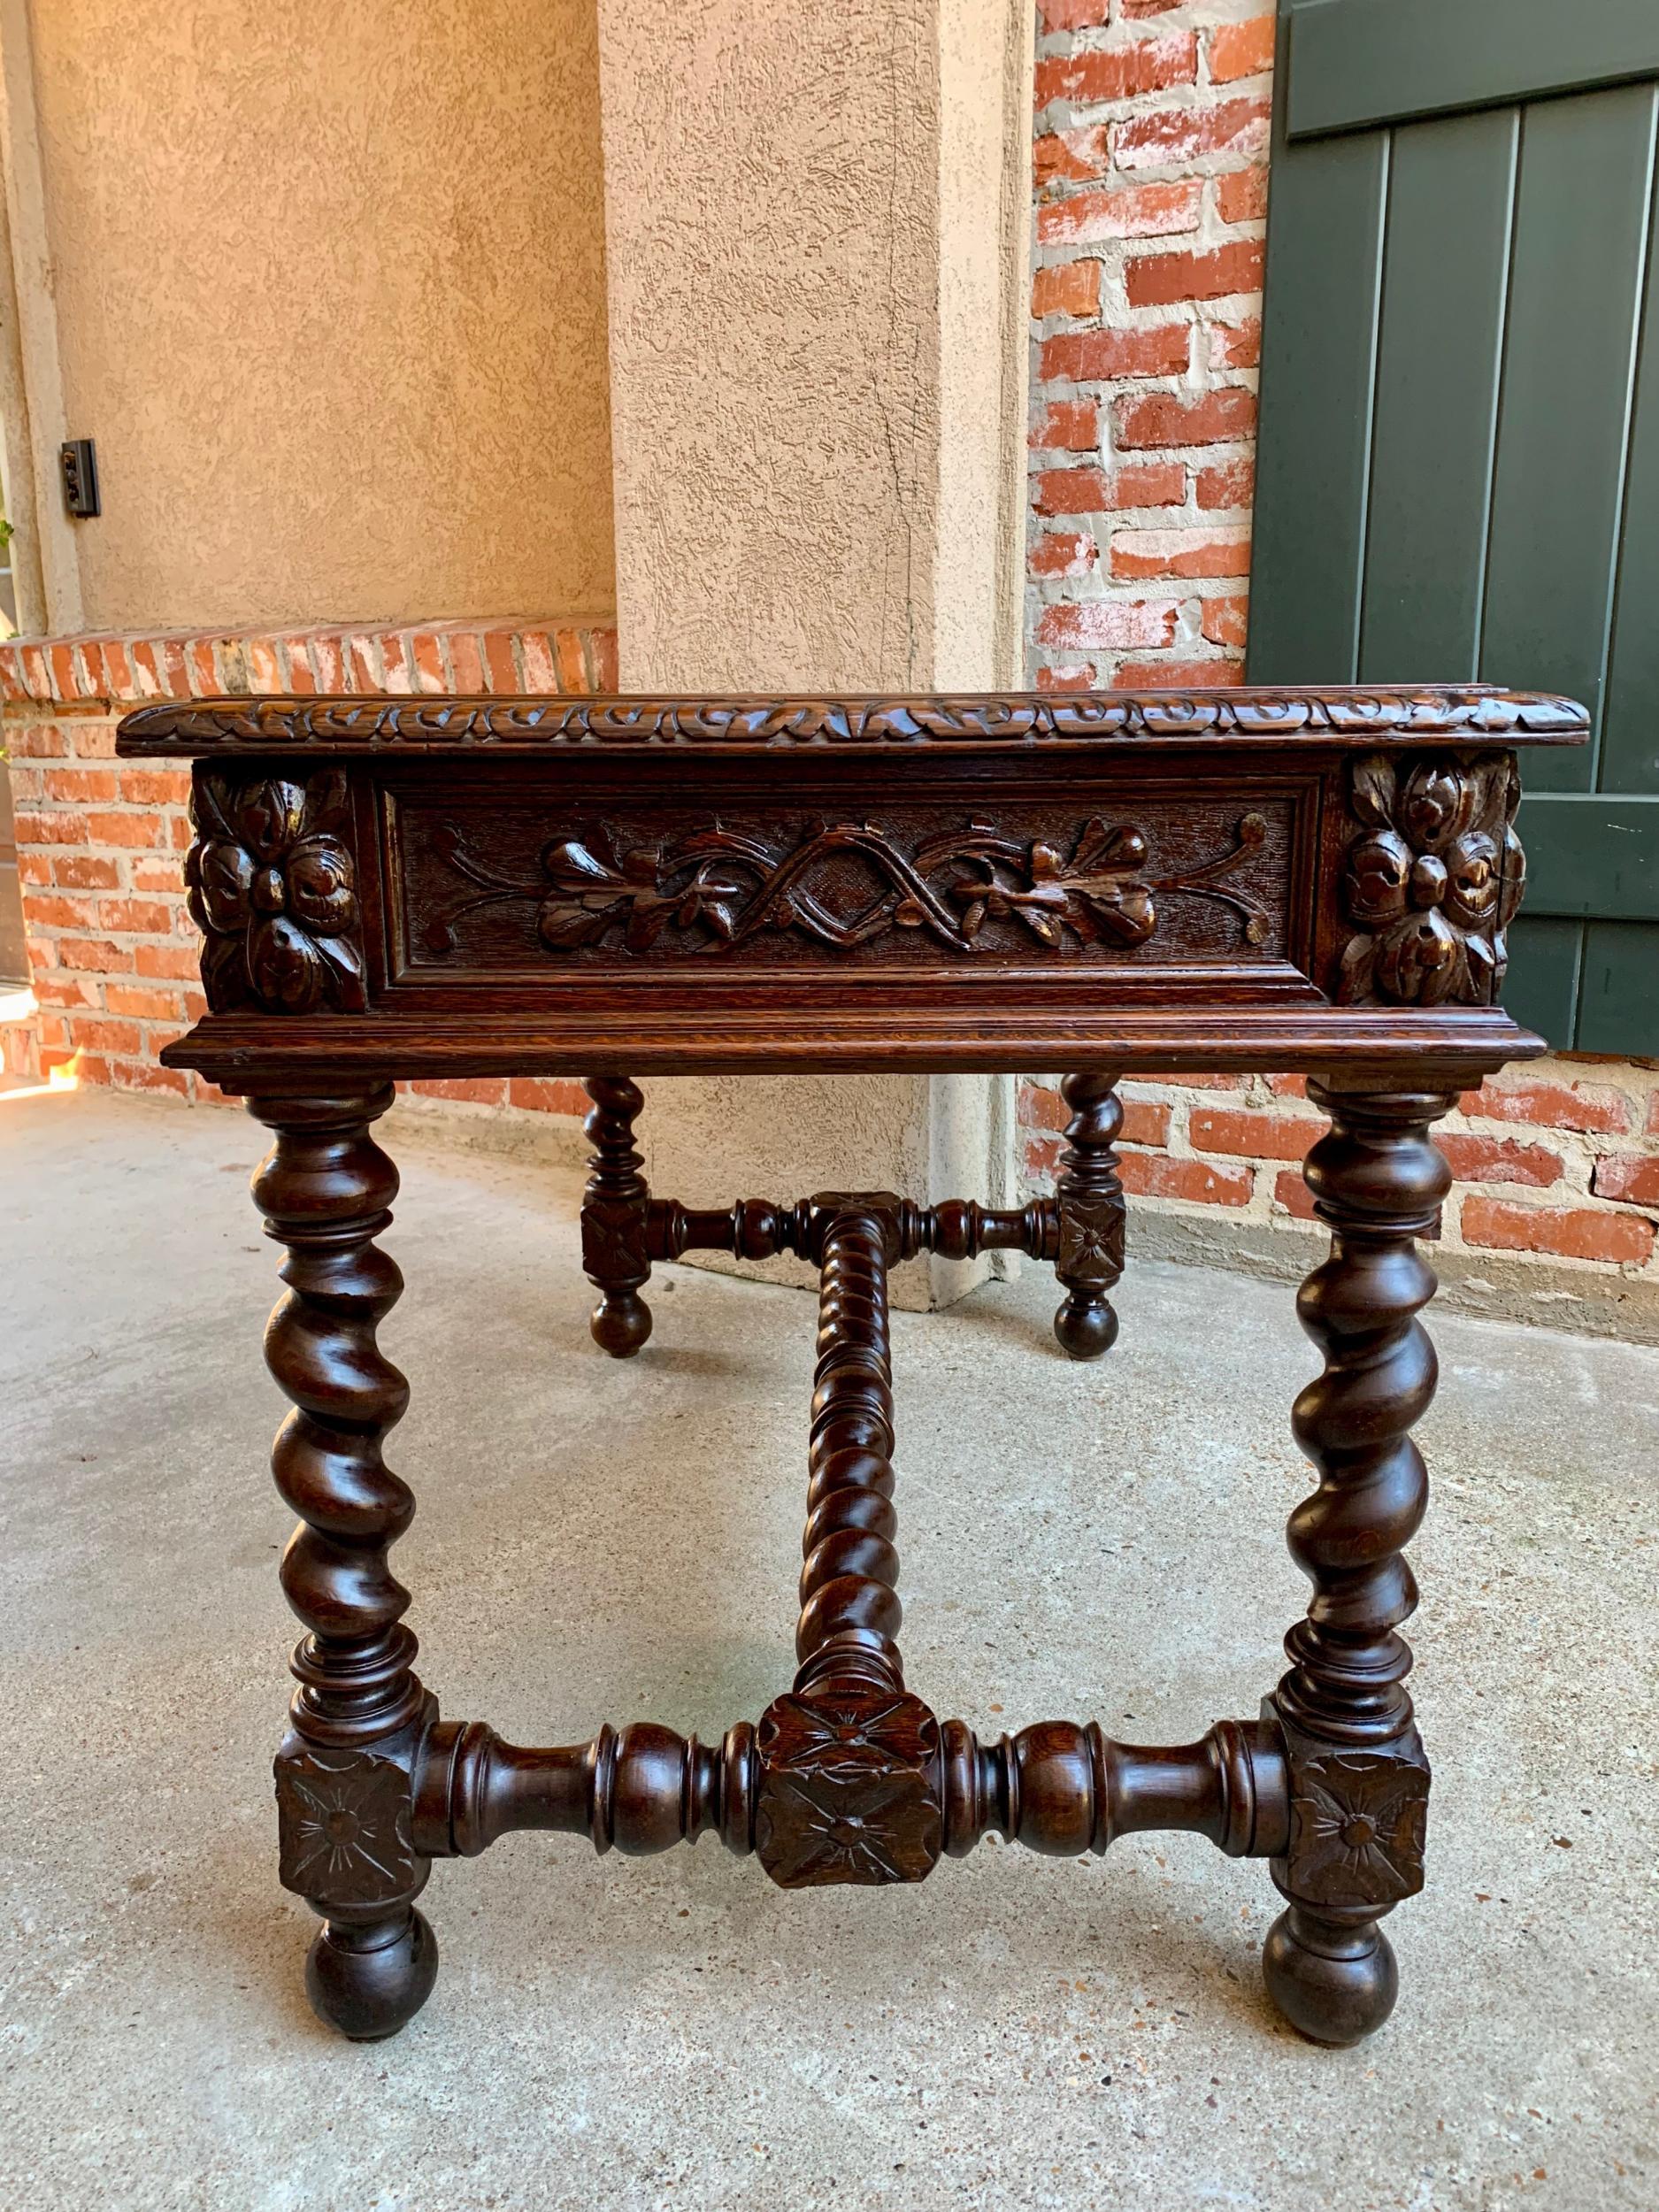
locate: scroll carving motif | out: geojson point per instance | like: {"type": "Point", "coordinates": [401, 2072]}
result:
{"type": "Point", "coordinates": [272, 888]}
{"type": "Point", "coordinates": [721, 887]}
{"type": "Point", "coordinates": [1433, 882]}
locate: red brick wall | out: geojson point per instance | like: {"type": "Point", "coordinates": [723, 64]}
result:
{"type": "Point", "coordinates": [112, 950]}
{"type": "Point", "coordinates": [1559, 1160]}
{"type": "Point", "coordinates": [1151, 190]}
{"type": "Point", "coordinates": [1151, 142]}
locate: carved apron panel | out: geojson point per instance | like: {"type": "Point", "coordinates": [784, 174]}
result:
{"type": "Point", "coordinates": [560, 889]}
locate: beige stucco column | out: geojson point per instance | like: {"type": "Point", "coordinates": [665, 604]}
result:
{"type": "Point", "coordinates": [816, 238]}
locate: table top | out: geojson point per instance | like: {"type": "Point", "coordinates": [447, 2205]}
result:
{"type": "Point", "coordinates": [1280, 880]}
{"type": "Point", "coordinates": [1365, 716]}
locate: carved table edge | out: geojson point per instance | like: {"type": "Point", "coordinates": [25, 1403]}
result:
{"type": "Point", "coordinates": [1338, 716]}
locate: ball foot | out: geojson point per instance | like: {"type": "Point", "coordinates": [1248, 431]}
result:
{"type": "Point", "coordinates": [1086, 1325]}
{"type": "Point", "coordinates": [620, 1322]}
{"type": "Point", "coordinates": [369, 1982]}
{"type": "Point", "coordinates": [1335, 1984]}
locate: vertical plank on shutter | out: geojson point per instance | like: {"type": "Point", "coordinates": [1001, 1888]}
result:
{"type": "Point", "coordinates": [1580, 224]}
{"type": "Point", "coordinates": [1319, 374]}
{"type": "Point", "coordinates": [1618, 997]}
{"type": "Point", "coordinates": [1630, 723]}
{"type": "Point", "coordinates": [1541, 990]}
{"type": "Point", "coordinates": [1444, 272]}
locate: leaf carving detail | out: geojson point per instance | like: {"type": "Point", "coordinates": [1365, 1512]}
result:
{"type": "Point", "coordinates": [721, 887]}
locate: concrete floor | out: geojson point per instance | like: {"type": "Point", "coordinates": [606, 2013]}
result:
{"type": "Point", "coordinates": [599, 1541]}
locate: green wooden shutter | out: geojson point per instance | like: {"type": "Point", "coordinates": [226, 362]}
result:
{"type": "Point", "coordinates": [1458, 472]}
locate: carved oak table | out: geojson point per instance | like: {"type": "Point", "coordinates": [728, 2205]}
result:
{"type": "Point", "coordinates": [1100, 883]}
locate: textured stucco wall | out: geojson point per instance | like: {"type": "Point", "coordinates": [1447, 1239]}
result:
{"type": "Point", "coordinates": [984, 276]}
{"type": "Point", "coordinates": [817, 228]}
{"type": "Point", "coordinates": [817, 236]}
{"type": "Point", "coordinates": [330, 289]}
{"type": "Point", "coordinates": [771, 214]}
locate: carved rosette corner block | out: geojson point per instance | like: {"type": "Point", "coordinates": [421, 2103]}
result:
{"type": "Point", "coordinates": [1358, 1824]}
{"type": "Point", "coordinates": [849, 1788]}
{"type": "Point", "coordinates": [1091, 1247]}
{"type": "Point", "coordinates": [615, 1242]}
{"type": "Point", "coordinates": [1433, 882]}
{"type": "Point", "coordinates": [272, 888]}
{"type": "Point", "coordinates": [344, 1825]}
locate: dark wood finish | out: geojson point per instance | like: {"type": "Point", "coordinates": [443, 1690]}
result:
{"type": "Point", "coordinates": [1061, 1789]}
{"type": "Point", "coordinates": [850, 1787]}
{"type": "Point", "coordinates": [1470, 713]}
{"type": "Point", "coordinates": [759, 1228]}
{"type": "Point", "coordinates": [715, 887]}
{"type": "Point", "coordinates": [344, 1771]}
{"type": "Point", "coordinates": [637, 1790]}
{"type": "Point", "coordinates": [849, 1604]}
{"type": "Point", "coordinates": [849, 1782]}
{"type": "Point", "coordinates": [615, 1213]}
{"type": "Point", "coordinates": [1096, 886]}
{"type": "Point", "coordinates": [272, 887]}
{"type": "Point", "coordinates": [1432, 882]}
{"type": "Point", "coordinates": [560, 885]}
{"type": "Point", "coordinates": [1359, 1782]}
{"type": "Point", "coordinates": [1090, 1200]}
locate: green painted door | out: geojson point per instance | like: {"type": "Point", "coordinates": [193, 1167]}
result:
{"type": "Point", "coordinates": [1458, 472]}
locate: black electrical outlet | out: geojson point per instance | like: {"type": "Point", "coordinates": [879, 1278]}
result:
{"type": "Point", "coordinates": [79, 459]}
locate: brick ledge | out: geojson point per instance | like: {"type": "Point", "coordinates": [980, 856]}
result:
{"type": "Point", "coordinates": [554, 653]}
